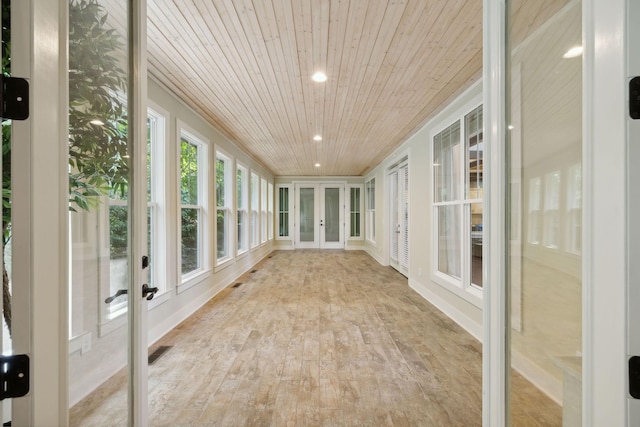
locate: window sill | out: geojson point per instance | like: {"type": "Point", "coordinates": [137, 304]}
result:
{"type": "Point", "coordinates": [471, 294]}
{"type": "Point", "coordinates": [193, 279]}
{"type": "Point", "coordinates": [223, 263]}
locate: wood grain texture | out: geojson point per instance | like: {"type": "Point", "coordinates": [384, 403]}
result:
{"type": "Point", "coordinates": [318, 338]}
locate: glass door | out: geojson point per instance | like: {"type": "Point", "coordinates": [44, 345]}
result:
{"type": "Point", "coordinates": [307, 215]}
{"type": "Point", "coordinates": [332, 216]}
{"type": "Point", "coordinates": [107, 218]}
{"type": "Point", "coordinates": [399, 218]}
{"type": "Point", "coordinates": [544, 119]}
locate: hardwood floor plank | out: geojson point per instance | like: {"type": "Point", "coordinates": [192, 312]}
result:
{"type": "Point", "coordinates": [318, 338]}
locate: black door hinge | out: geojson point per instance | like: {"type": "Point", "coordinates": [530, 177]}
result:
{"type": "Point", "coordinates": [15, 98]}
{"type": "Point", "coordinates": [14, 375]}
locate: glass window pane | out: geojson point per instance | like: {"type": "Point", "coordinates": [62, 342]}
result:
{"type": "Point", "coordinates": [476, 244]}
{"type": "Point", "coordinates": [221, 234]}
{"type": "Point", "coordinates": [118, 273]}
{"type": "Point", "coordinates": [220, 187]}
{"type": "Point", "coordinates": [188, 173]}
{"type": "Point", "coordinates": [190, 246]}
{"type": "Point", "coordinates": [449, 242]}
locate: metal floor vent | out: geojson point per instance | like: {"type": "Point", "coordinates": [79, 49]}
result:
{"type": "Point", "coordinates": [153, 357]}
{"type": "Point", "coordinates": [253, 271]}
{"type": "Point", "coordinates": [237, 285]}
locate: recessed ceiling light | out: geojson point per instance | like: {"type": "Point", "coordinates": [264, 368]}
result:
{"type": "Point", "coordinates": [317, 165]}
{"type": "Point", "coordinates": [510, 127]}
{"type": "Point", "coordinates": [319, 77]}
{"type": "Point", "coordinates": [573, 52]}
{"type": "Point", "coordinates": [97, 122]}
{"type": "Point", "coordinates": [317, 138]}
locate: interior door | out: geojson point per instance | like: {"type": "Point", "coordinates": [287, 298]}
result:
{"type": "Point", "coordinates": [331, 216]}
{"type": "Point", "coordinates": [399, 218]}
{"type": "Point", "coordinates": [108, 214]}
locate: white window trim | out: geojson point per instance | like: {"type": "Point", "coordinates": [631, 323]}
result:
{"type": "Point", "coordinates": [467, 291]}
{"type": "Point", "coordinates": [289, 210]}
{"type": "Point", "coordinates": [185, 281]}
{"type": "Point", "coordinates": [370, 213]}
{"type": "Point", "coordinates": [245, 210]}
{"type": "Point", "coordinates": [254, 210]}
{"type": "Point", "coordinates": [263, 210]}
{"type": "Point", "coordinates": [158, 257]}
{"type": "Point", "coordinates": [349, 210]}
{"type": "Point", "coordinates": [270, 217]}
{"type": "Point", "coordinates": [230, 196]}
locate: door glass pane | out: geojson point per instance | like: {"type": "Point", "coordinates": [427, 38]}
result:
{"type": "Point", "coordinates": [545, 144]}
{"type": "Point", "coordinates": [332, 215]}
{"type": "Point", "coordinates": [354, 212]}
{"type": "Point", "coordinates": [99, 212]}
{"type": "Point", "coordinates": [307, 211]}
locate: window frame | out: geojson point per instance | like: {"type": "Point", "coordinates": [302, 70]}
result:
{"type": "Point", "coordinates": [227, 207]}
{"type": "Point", "coordinates": [263, 210]}
{"type": "Point", "coordinates": [185, 281]}
{"type": "Point", "coordinates": [254, 217]}
{"type": "Point", "coordinates": [461, 286]}
{"type": "Point", "coordinates": [350, 211]}
{"type": "Point", "coordinates": [288, 211]}
{"type": "Point", "coordinates": [158, 266]}
{"type": "Point", "coordinates": [270, 202]}
{"type": "Point", "coordinates": [370, 202]}
{"type": "Point", "coordinates": [242, 209]}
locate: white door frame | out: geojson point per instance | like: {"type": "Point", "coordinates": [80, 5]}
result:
{"type": "Point", "coordinates": [318, 231]}
{"type": "Point", "coordinates": [605, 398]}
{"type": "Point", "coordinates": [40, 321]}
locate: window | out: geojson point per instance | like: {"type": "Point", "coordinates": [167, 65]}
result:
{"type": "Point", "coordinates": [242, 206]}
{"type": "Point", "coordinates": [283, 193]}
{"type": "Point", "coordinates": [224, 186]}
{"type": "Point", "coordinates": [458, 166]}
{"type": "Point", "coordinates": [355, 212]}
{"type": "Point", "coordinates": [193, 204]}
{"type": "Point", "coordinates": [255, 210]}
{"type": "Point", "coordinates": [156, 221]}
{"type": "Point", "coordinates": [270, 211]}
{"type": "Point", "coordinates": [263, 216]}
{"type": "Point", "coordinates": [370, 187]}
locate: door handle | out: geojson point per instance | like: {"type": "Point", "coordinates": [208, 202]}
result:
{"type": "Point", "coordinates": [148, 292]}
{"type": "Point", "coordinates": [116, 295]}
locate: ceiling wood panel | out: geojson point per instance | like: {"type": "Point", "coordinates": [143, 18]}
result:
{"type": "Point", "coordinates": [245, 65]}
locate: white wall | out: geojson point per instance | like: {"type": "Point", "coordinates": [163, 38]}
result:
{"type": "Point", "coordinates": [465, 311]}
{"type": "Point", "coordinates": [100, 358]}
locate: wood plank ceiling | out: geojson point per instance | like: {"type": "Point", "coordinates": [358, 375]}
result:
{"type": "Point", "coordinates": [246, 66]}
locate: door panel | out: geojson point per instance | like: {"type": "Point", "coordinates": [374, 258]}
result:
{"type": "Point", "coordinates": [307, 214]}
{"type": "Point", "coordinates": [319, 216]}
{"type": "Point", "coordinates": [107, 217]}
{"type": "Point", "coordinates": [399, 218]}
{"type": "Point", "coordinates": [332, 220]}
{"type": "Point", "coordinates": [545, 208]}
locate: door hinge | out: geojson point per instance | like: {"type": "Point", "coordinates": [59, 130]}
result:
{"type": "Point", "coordinates": [634, 377]}
{"type": "Point", "coordinates": [14, 376]}
{"type": "Point", "coordinates": [15, 98]}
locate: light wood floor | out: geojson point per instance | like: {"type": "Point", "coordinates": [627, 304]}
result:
{"type": "Point", "coordinates": [316, 338]}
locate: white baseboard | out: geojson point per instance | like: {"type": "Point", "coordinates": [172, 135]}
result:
{"type": "Point", "coordinates": [373, 255]}
{"type": "Point", "coordinates": [475, 329]}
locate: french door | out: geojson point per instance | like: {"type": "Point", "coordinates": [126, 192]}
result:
{"type": "Point", "coordinates": [319, 216]}
{"type": "Point", "coordinates": [78, 217]}
{"type": "Point", "coordinates": [399, 217]}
